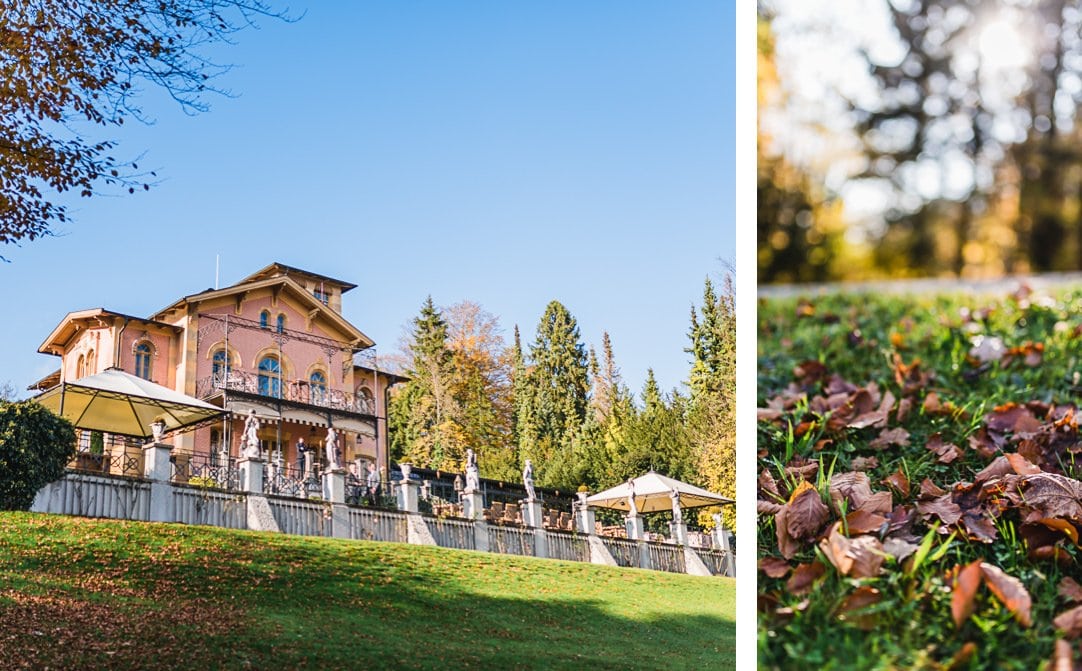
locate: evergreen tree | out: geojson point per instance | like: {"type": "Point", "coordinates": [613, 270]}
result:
{"type": "Point", "coordinates": [551, 400]}
{"type": "Point", "coordinates": [420, 411]}
{"type": "Point", "coordinates": [657, 438]}
{"type": "Point", "coordinates": [711, 412]}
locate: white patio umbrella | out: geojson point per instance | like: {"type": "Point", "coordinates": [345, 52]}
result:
{"type": "Point", "coordinates": [653, 494]}
{"type": "Point", "coordinates": [117, 402]}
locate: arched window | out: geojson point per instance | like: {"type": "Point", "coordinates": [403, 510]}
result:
{"type": "Point", "coordinates": [80, 367]}
{"type": "Point", "coordinates": [142, 360]}
{"type": "Point", "coordinates": [318, 382]}
{"type": "Point", "coordinates": [91, 366]}
{"type": "Point", "coordinates": [220, 366]}
{"type": "Point", "coordinates": [280, 325]}
{"type": "Point", "coordinates": [365, 401]}
{"type": "Point", "coordinates": [270, 377]}
{"type": "Point", "coordinates": [264, 319]}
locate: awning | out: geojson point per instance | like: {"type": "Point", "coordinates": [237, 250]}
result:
{"type": "Point", "coordinates": [653, 494]}
{"type": "Point", "coordinates": [117, 402]}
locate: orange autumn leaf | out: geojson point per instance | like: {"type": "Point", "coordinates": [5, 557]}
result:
{"type": "Point", "coordinates": [1010, 591]}
{"type": "Point", "coordinates": [964, 594]}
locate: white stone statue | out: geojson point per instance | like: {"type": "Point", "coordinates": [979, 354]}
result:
{"type": "Point", "coordinates": [332, 449]}
{"type": "Point", "coordinates": [473, 476]}
{"type": "Point", "coordinates": [527, 479]}
{"type": "Point", "coordinates": [632, 509]}
{"type": "Point", "coordinates": [677, 512]}
{"type": "Point", "coordinates": [250, 436]}
{"type": "Point", "coordinates": [157, 430]}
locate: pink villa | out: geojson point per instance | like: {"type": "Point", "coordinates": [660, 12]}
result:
{"type": "Point", "coordinates": [275, 342]}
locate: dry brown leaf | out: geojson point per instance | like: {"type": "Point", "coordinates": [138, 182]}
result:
{"type": "Point", "coordinates": [1062, 657]}
{"type": "Point", "coordinates": [929, 489]}
{"type": "Point", "coordinates": [1053, 495]}
{"type": "Point", "coordinates": [1010, 591]}
{"type": "Point", "coordinates": [852, 488]}
{"type": "Point", "coordinates": [864, 463]}
{"type": "Point", "coordinates": [960, 660]}
{"type": "Point", "coordinates": [1021, 465]}
{"type": "Point", "coordinates": [946, 452]}
{"type": "Point", "coordinates": [863, 522]}
{"type": "Point", "coordinates": [804, 577]}
{"type": "Point", "coordinates": [897, 436]}
{"type": "Point", "coordinates": [807, 512]}
{"type": "Point", "coordinates": [904, 407]}
{"type": "Point", "coordinates": [1070, 622]}
{"type": "Point", "coordinates": [898, 481]}
{"type": "Point", "coordinates": [1070, 590]}
{"type": "Point", "coordinates": [774, 567]}
{"type": "Point", "coordinates": [943, 507]}
{"type": "Point", "coordinates": [964, 593]}
{"type": "Point", "coordinates": [859, 599]}
{"type": "Point", "coordinates": [787, 545]}
{"type": "Point", "coordinates": [860, 557]}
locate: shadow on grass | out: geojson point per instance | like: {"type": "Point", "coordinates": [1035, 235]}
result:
{"type": "Point", "coordinates": [193, 597]}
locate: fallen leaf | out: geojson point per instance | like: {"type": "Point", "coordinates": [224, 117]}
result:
{"type": "Point", "coordinates": [807, 512]}
{"type": "Point", "coordinates": [863, 521]}
{"type": "Point", "coordinates": [774, 567]}
{"type": "Point", "coordinates": [899, 481]}
{"type": "Point", "coordinates": [861, 557]}
{"type": "Point", "coordinates": [1010, 591]}
{"type": "Point", "coordinates": [1062, 657]}
{"type": "Point", "coordinates": [964, 592]}
{"type": "Point", "coordinates": [864, 463]}
{"type": "Point", "coordinates": [897, 436]}
{"type": "Point", "coordinates": [1053, 495]}
{"type": "Point", "coordinates": [858, 600]}
{"type": "Point", "coordinates": [1070, 622]}
{"type": "Point", "coordinates": [946, 452]}
{"type": "Point", "coordinates": [1070, 590]}
{"type": "Point", "coordinates": [943, 507]}
{"type": "Point", "coordinates": [804, 577]}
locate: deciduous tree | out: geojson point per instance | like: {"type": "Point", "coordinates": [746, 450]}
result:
{"type": "Point", "coordinates": [73, 68]}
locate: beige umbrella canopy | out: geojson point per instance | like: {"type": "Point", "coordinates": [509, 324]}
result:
{"type": "Point", "coordinates": [653, 494]}
{"type": "Point", "coordinates": [117, 402]}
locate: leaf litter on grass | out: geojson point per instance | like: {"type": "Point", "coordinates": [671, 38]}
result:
{"type": "Point", "coordinates": [932, 470]}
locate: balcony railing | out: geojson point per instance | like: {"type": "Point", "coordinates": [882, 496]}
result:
{"type": "Point", "coordinates": [298, 391]}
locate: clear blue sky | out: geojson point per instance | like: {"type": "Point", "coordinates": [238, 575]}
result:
{"type": "Point", "coordinates": [508, 153]}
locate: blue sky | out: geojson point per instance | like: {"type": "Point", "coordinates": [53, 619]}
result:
{"type": "Point", "coordinates": [505, 153]}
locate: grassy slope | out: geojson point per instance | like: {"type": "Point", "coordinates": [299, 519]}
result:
{"type": "Point", "coordinates": [912, 627]}
{"type": "Point", "coordinates": [92, 593]}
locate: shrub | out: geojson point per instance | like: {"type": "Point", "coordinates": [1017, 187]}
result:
{"type": "Point", "coordinates": [35, 447]}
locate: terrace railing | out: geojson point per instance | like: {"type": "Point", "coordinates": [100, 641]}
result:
{"type": "Point", "coordinates": [297, 391]}
{"type": "Point", "coordinates": [666, 557]}
{"type": "Point", "coordinates": [626, 553]}
{"type": "Point", "coordinates": [450, 533]}
{"type": "Point", "coordinates": [567, 546]}
{"type": "Point", "coordinates": [374, 524]}
{"type": "Point", "coordinates": [511, 540]}
{"type": "Point", "coordinates": [205, 489]}
{"type": "Point", "coordinates": [206, 470]}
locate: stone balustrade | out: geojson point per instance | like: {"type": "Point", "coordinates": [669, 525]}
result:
{"type": "Point", "coordinates": [157, 496]}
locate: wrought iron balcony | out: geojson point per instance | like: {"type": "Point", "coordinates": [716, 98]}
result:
{"type": "Point", "coordinates": [297, 391]}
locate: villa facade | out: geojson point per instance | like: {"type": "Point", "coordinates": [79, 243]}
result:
{"type": "Point", "coordinates": [275, 342]}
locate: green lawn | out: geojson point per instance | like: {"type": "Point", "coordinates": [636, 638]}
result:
{"type": "Point", "coordinates": [79, 593]}
{"type": "Point", "coordinates": [953, 539]}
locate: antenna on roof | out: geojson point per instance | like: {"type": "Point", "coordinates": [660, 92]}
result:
{"type": "Point", "coordinates": [217, 261]}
